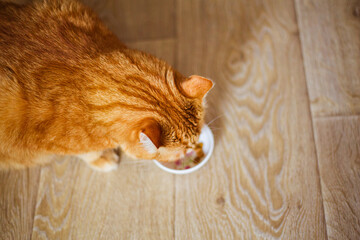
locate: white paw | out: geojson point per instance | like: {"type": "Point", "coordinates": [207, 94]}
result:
{"type": "Point", "coordinates": [108, 161]}
{"type": "Point", "coordinates": [105, 167]}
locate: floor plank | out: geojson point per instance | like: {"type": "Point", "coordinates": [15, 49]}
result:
{"type": "Point", "coordinates": [262, 181]}
{"type": "Point", "coordinates": [138, 19]}
{"type": "Point", "coordinates": [18, 191]}
{"type": "Point", "coordinates": [330, 36]}
{"type": "Point", "coordinates": [75, 202]}
{"type": "Point", "coordinates": [338, 146]}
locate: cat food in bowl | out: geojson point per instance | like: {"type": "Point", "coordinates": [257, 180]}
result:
{"type": "Point", "coordinates": [195, 158]}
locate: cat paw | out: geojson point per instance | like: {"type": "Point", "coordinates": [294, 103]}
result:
{"type": "Point", "coordinates": [108, 161]}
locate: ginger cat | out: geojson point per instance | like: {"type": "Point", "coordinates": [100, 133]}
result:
{"type": "Point", "coordinates": [68, 86]}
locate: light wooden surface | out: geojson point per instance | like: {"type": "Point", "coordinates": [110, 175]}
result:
{"type": "Point", "coordinates": [253, 187]}
{"type": "Point", "coordinates": [284, 167]}
{"type": "Point", "coordinates": [18, 190]}
{"type": "Point", "coordinates": [338, 141]}
{"type": "Point", "coordinates": [330, 36]}
{"type": "Point", "coordinates": [134, 202]}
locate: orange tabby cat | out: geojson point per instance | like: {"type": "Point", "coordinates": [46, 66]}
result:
{"type": "Point", "coordinates": [69, 86]}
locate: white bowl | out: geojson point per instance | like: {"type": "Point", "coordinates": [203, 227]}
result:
{"type": "Point", "coordinates": [207, 139]}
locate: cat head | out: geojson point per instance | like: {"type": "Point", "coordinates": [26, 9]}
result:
{"type": "Point", "coordinates": [176, 122]}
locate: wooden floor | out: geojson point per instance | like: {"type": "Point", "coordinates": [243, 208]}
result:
{"type": "Point", "coordinates": [286, 105]}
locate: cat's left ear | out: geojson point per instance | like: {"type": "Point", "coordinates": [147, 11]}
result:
{"type": "Point", "coordinates": [196, 86]}
{"type": "Point", "coordinates": [150, 135]}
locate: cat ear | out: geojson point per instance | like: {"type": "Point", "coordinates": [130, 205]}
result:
{"type": "Point", "coordinates": [196, 86]}
{"type": "Point", "coordinates": [150, 135]}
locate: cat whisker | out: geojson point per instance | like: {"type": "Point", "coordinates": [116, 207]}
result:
{"type": "Point", "coordinates": [216, 118]}
{"type": "Point", "coordinates": [214, 128]}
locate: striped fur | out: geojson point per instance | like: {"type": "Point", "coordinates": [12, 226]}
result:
{"type": "Point", "coordinates": [69, 86]}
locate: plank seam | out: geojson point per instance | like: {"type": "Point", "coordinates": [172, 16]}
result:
{"type": "Point", "coordinates": [176, 63]}
{"type": "Point", "coordinates": [36, 201]}
{"type": "Point", "coordinates": [311, 115]}
{"type": "Point", "coordinates": [174, 206]}
{"type": "Point", "coordinates": [336, 116]}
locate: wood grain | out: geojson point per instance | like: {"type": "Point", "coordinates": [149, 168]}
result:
{"type": "Point", "coordinates": [138, 19]}
{"type": "Point", "coordinates": [330, 37]}
{"type": "Point", "coordinates": [18, 191]}
{"type": "Point", "coordinates": [75, 202]}
{"type": "Point", "coordinates": [262, 181]}
{"type": "Point", "coordinates": [338, 147]}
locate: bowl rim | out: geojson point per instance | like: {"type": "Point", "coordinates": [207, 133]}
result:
{"type": "Point", "coordinates": [197, 167]}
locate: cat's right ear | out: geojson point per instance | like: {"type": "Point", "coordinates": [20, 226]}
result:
{"type": "Point", "coordinates": [150, 135]}
{"type": "Point", "coordinates": [196, 86]}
